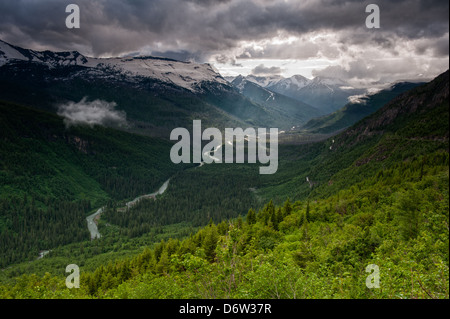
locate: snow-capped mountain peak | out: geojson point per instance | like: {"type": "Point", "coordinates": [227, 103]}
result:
{"type": "Point", "coordinates": [326, 93]}
{"type": "Point", "coordinates": [295, 82]}
{"type": "Point", "coordinates": [184, 74]}
{"type": "Point", "coordinates": [239, 82]}
{"type": "Point", "coordinates": [10, 53]}
{"type": "Point", "coordinates": [188, 75]}
{"type": "Point", "coordinates": [264, 81]}
{"type": "Point", "coordinates": [299, 80]}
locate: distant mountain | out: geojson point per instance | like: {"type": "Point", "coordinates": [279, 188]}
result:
{"type": "Point", "coordinates": [157, 94]}
{"type": "Point", "coordinates": [229, 78]}
{"type": "Point", "coordinates": [277, 104]}
{"type": "Point", "coordinates": [290, 86]}
{"type": "Point", "coordinates": [360, 107]}
{"type": "Point", "coordinates": [264, 81]}
{"type": "Point", "coordinates": [326, 94]}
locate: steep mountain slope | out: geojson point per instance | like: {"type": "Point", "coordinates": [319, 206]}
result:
{"type": "Point", "coordinates": [294, 112]}
{"type": "Point", "coordinates": [354, 111]}
{"type": "Point", "coordinates": [412, 124]}
{"type": "Point", "coordinates": [39, 150]}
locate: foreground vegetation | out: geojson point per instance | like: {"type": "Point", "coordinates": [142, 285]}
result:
{"type": "Point", "coordinates": [397, 220]}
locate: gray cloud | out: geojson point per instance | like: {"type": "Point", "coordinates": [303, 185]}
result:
{"type": "Point", "coordinates": [360, 73]}
{"type": "Point", "coordinates": [263, 70]}
{"type": "Point", "coordinates": [223, 59]}
{"type": "Point", "coordinates": [441, 47]}
{"type": "Point", "coordinates": [96, 112]}
{"type": "Point", "coordinates": [208, 2]}
{"type": "Point", "coordinates": [182, 55]}
{"type": "Point", "coordinates": [202, 29]}
{"type": "Point", "coordinates": [302, 49]}
{"type": "Point", "coordinates": [113, 26]}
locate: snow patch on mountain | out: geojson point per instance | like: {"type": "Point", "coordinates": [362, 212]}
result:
{"type": "Point", "coordinates": [184, 74]}
{"type": "Point", "coordinates": [270, 96]}
{"type": "Point", "coordinates": [8, 52]}
{"type": "Point", "coordinates": [264, 81]}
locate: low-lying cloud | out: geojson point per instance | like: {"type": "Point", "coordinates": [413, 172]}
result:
{"type": "Point", "coordinates": [97, 112]}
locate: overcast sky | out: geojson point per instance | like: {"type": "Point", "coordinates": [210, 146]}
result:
{"type": "Point", "coordinates": [307, 37]}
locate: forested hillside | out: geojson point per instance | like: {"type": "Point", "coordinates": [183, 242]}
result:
{"type": "Point", "coordinates": [308, 249]}
{"type": "Point", "coordinates": [52, 176]}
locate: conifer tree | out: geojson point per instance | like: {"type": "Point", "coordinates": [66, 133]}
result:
{"type": "Point", "coordinates": [307, 215]}
{"type": "Point", "coordinates": [287, 208]}
{"type": "Point", "coordinates": [251, 216]}
{"type": "Point", "coordinates": [210, 243]}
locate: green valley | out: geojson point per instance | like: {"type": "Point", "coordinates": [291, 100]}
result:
{"type": "Point", "coordinates": [377, 193]}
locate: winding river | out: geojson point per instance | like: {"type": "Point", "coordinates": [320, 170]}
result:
{"type": "Point", "coordinates": [92, 226]}
{"type": "Point", "coordinates": [91, 219]}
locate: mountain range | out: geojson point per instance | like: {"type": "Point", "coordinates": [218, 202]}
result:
{"type": "Point", "coordinates": [326, 94]}
{"type": "Point", "coordinates": [296, 109]}
{"type": "Point", "coordinates": [156, 94]}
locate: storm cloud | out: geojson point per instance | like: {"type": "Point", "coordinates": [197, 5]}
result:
{"type": "Point", "coordinates": [227, 31]}
{"type": "Point", "coordinates": [263, 70]}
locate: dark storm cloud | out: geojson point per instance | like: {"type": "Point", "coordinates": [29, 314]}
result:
{"type": "Point", "coordinates": [116, 27]}
{"type": "Point", "coordinates": [441, 47]}
{"type": "Point", "coordinates": [182, 55]}
{"type": "Point", "coordinates": [223, 59]}
{"type": "Point", "coordinates": [208, 2]}
{"type": "Point", "coordinates": [263, 70]}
